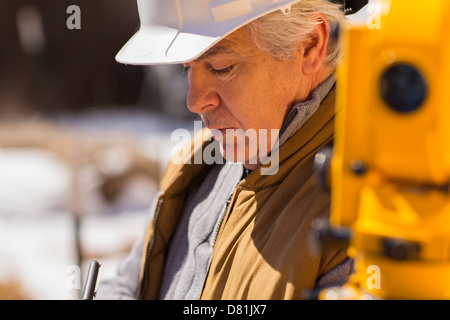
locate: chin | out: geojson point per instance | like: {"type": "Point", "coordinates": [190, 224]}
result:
{"type": "Point", "coordinates": [239, 154]}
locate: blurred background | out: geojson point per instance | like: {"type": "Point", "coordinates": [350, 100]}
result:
{"type": "Point", "coordinates": [83, 142]}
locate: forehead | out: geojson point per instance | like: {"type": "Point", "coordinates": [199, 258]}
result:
{"type": "Point", "coordinates": [238, 43]}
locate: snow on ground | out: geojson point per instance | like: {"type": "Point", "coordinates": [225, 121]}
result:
{"type": "Point", "coordinates": [37, 246]}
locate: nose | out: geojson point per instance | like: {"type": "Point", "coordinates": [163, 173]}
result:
{"type": "Point", "coordinates": [202, 95]}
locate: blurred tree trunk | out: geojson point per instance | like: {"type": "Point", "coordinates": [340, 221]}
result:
{"type": "Point", "coordinates": [74, 69]}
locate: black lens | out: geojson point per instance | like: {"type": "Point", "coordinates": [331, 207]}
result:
{"type": "Point", "coordinates": [403, 88]}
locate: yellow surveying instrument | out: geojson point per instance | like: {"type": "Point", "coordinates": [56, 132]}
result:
{"type": "Point", "coordinates": [390, 165]}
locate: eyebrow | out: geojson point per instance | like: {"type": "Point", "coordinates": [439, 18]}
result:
{"type": "Point", "coordinates": [215, 51]}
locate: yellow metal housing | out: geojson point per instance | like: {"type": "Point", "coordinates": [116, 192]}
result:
{"type": "Point", "coordinates": [390, 169]}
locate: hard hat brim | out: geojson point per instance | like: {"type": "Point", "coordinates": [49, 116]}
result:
{"type": "Point", "coordinates": [161, 41]}
{"type": "Point", "coordinates": [156, 44]}
{"type": "Point", "coordinates": [163, 45]}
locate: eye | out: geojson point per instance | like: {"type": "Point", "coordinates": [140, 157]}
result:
{"type": "Point", "coordinates": [219, 72]}
{"type": "Point", "coordinates": [222, 72]}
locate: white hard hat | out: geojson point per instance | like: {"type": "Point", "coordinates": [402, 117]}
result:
{"type": "Point", "coordinates": [178, 31]}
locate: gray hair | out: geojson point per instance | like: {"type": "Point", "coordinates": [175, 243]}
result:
{"type": "Point", "coordinates": [277, 33]}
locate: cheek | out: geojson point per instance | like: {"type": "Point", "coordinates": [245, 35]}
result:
{"type": "Point", "coordinates": [259, 100]}
{"type": "Point", "coordinates": [253, 109]}
{"type": "Point", "coordinates": [266, 105]}
{"type": "Point", "coordinates": [240, 102]}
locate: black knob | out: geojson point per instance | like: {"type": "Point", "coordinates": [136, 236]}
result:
{"type": "Point", "coordinates": [324, 235]}
{"type": "Point", "coordinates": [400, 249]}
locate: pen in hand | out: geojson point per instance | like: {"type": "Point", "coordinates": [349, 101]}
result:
{"type": "Point", "coordinates": [92, 280]}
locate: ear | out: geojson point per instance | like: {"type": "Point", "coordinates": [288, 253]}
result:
{"type": "Point", "coordinates": [314, 48]}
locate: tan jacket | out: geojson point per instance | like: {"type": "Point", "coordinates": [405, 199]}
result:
{"type": "Point", "coordinates": [262, 249]}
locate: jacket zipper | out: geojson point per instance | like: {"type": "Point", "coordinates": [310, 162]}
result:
{"type": "Point", "coordinates": [222, 216]}
{"type": "Point", "coordinates": [216, 234]}
{"type": "Point", "coordinates": [144, 281]}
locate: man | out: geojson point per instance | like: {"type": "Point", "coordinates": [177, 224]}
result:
{"type": "Point", "coordinates": [230, 230]}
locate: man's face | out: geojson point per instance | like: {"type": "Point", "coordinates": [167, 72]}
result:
{"type": "Point", "coordinates": [237, 88]}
